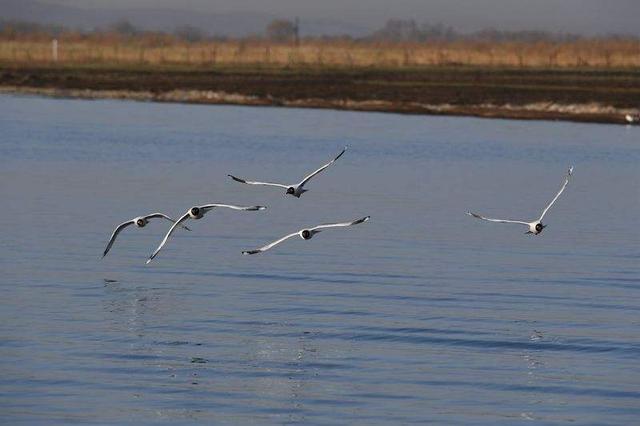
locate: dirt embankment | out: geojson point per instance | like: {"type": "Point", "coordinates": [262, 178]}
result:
{"type": "Point", "coordinates": [591, 96]}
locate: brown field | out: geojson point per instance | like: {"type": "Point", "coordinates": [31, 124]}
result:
{"type": "Point", "coordinates": [595, 80]}
{"type": "Point", "coordinates": [588, 53]}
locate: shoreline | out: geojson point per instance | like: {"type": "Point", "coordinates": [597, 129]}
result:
{"type": "Point", "coordinates": [583, 113]}
{"type": "Point", "coordinates": [592, 96]}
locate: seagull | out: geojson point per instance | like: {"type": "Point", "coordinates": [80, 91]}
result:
{"type": "Point", "coordinates": [632, 118]}
{"type": "Point", "coordinates": [536, 226]}
{"type": "Point", "coordinates": [140, 222]}
{"type": "Point", "coordinates": [197, 212]}
{"type": "Point", "coordinates": [296, 189]}
{"type": "Point", "coordinates": [306, 234]}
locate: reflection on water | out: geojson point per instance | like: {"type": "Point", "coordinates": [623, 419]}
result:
{"type": "Point", "coordinates": [125, 307]}
{"type": "Point", "coordinates": [421, 315]}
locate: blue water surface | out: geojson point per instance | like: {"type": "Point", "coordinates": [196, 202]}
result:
{"type": "Point", "coordinates": [421, 315]}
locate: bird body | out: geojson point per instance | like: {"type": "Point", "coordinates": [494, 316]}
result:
{"type": "Point", "coordinates": [296, 191]}
{"type": "Point", "coordinates": [196, 212]}
{"type": "Point", "coordinates": [141, 221]}
{"type": "Point", "coordinates": [535, 228]}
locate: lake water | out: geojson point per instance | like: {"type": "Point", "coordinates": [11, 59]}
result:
{"type": "Point", "coordinates": [420, 315]}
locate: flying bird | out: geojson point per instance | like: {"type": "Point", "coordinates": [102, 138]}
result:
{"type": "Point", "coordinates": [306, 234]}
{"type": "Point", "coordinates": [197, 212]}
{"type": "Point", "coordinates": [140, 222]}
{"type": "Point", "coordinates": [296, 189]}
{"type": "Point", "coordinates": [536, 226]}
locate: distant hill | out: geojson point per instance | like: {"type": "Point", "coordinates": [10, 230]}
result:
{"type": "Point", "coordinates": [229, 24]}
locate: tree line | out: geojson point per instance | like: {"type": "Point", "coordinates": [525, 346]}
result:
{"type": "Point", "coordinates": [288, 31]}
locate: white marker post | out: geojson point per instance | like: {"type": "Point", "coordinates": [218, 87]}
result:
{"type": "Point", "coordinates": [54, 50]}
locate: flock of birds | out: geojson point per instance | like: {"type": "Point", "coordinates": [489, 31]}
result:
{"type": "Point", "coordinates": [535, 227]}
{"type": "Point", "coordinates": [198, 212]}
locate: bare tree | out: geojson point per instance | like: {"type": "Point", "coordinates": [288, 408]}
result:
{"type": "Point", "coordinates": [282, 30]}
{"type": "Point", "coordinates": [189, 33]}
{"type": "Point", "coordinates": [124, 28]}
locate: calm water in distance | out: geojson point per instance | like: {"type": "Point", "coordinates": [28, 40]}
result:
{"type": "Point", "coordinates": [421, 315]}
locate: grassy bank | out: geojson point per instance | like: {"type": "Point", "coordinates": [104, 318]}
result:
{"type": "Point", "coordinates": [598, 95]}
{"type": "Point", "coordinates": [155, 49]}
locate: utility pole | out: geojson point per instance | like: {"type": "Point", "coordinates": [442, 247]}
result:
{"type": "Point", "coordinates": [54, 50]}
{"type": "Point", "coordinates": [296, 30]}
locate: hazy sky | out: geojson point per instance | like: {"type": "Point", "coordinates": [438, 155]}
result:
{"type": "Point", "coordinates": [585, 16]}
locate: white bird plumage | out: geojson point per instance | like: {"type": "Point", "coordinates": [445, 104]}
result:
{"type": "Point", "coordinates": [140, 222]}
{"type": "Point", "coordinates": [197, 212]}
{"type": "Point", "coordinates": [295, 189]}
{"type": "Point", "coordinates": [307, 234]}
{"type": "Point", "coordinates": [631, 118]}
{"type": "Point", "coordinates": [536, 226]}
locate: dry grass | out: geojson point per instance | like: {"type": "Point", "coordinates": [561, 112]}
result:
{"type": "Point", "coordinates": [611, 53]}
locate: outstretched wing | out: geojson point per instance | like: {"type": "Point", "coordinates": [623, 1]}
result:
{"type": "Point", "coordinates": [250, 182]}
{"type": "Point", "coordinates": [268, 246]}
{"type": "Point", "coordinates": [564, 185]}
{"type": "Point", "coordinates": [166, 237]}
{"type": "Point", "coordinates": [208, 207]}
{"type": "Point", "coordinates": [306, 179]}
{"type": "Point", "coordinates": [498, 220]}
{"type": "Point", "coordinates": [115, 234]}
{"type": "Point", "coordinates": [336, 225]}
{"type": "Point", "coordinates": [164, 216]}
